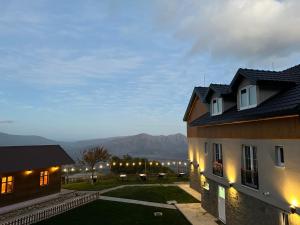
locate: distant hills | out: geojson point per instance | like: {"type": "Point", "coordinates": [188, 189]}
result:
{"type": "Point", "coordinates": [140, 145]}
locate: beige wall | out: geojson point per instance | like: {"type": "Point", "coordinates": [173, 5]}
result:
{"type": "Point", "coordinates": [283, 184]}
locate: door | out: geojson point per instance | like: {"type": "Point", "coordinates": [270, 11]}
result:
{"type": "Point", "coordinates": [221, 204]}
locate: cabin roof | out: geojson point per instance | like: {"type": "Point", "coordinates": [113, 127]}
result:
{"type": "Point", "coordinates": [19, 158]}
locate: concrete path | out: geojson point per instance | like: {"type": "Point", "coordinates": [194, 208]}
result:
{"type": "Point", "coordinates": [189, 190]}
{"type": "Point", "coordinates": [196, 215]}
{"type": "Point", "coordinates": [131, 201]}
{"type": "Point", "coordinates": [34, 201]}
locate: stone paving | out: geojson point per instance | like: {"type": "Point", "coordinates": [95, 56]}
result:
{"type": "Point", "coordinates": [19, 209]}
{"type": "Point", "coordinates": [131, 201]}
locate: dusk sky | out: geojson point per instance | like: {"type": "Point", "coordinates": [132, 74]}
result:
{"type": "Point", "coordinates": [88, 69]}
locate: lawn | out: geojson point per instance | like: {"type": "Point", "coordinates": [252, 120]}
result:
{"type": "Point", "coordinates": [159, 194]}
{"type": "Point", "coordinates": [114, 213]}
{"type": "Point", "coordinates": [113, 181]}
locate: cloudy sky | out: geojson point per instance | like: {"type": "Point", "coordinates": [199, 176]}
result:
{"type": "Point", "coordinates": [87, 69]}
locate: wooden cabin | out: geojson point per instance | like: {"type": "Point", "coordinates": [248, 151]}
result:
{"type": "Point", "coordinates": [28, 172]}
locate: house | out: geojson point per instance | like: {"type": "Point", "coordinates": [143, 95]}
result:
{"type": "Point", "coordinates": [244, 147]}
{"type": "Point", "coordinates": [28, 172]}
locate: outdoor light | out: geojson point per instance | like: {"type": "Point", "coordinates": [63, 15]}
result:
{"type": "Point", "coordinates": [72, 169]}
{"type": "Point", "coordinates": [185, 164]}
{"type": "Point", "coordinates": [114, 164]}
{"type": "Point", "coordinates": [54, 168]}
{"type": "Point", "coordinates": [140, 163]}
{"type": "Point", "coordinates": [168, 163]}
{"type": "Point", "coordinates": [86, 169]}
{"type": "Point", "coordinates": [174, 163]}
{"type": "Point", "coordinates": [107, 164]}
{"type": "Point", "coordinates": [150, 163]}
{"type": "Point", "coordinates": [100, 166]}
{"type": "Point", "coordinates": [65, 170]}
{"type": "Point", "coordinates": [162, 164]}
{"type": "Point", "coordinates": [201, 172]}
{"type": "Point", "coordinates": [127, 164]}
{"type": "Point", "coordinates": [293, 209]}
{"type": "Point", "coordinates": [157, 163]}
{"type": "Point", "coordinates": [231, 184]}
{"type": "Point", "coordinates": [28, 172]}
{"type": "Point", "coordinates": [133, 164]}
{"type": "Point", "coordinates": [179, 163]}
{"type": "Point", "coordinates": [121, 164]}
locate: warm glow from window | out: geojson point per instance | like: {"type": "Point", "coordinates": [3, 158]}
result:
{"type": "Point", "coordinates": [55, 168]}
{"type": "Point", "coordinates": [7, 184]}
{"type": "Point", "coordinates": [44, 178]}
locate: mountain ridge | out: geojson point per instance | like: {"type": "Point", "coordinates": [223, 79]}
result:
{"type": "Point", "coordinates": [173, 146]}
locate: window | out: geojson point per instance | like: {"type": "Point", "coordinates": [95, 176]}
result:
{"type": "Point", "coordinates": [217, 160]}
{"type": "Point", "coordinates": [249, 169]}
{"type": "Point", "coordinates": [7, 184]}
{"type": "Point", "coordinates": [205, 148]}
{"type": "Point", "coordinates": [248, 97]}
{"type": "Point", "coordinates": [279, 156]}
{"type": "Point", "coordinates": [44, 178]}
{"type": "Point", "coordinates": [216, 106]}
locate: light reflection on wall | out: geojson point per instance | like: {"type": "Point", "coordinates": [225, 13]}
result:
{"type": "Point", "coordinates": [231, 172]}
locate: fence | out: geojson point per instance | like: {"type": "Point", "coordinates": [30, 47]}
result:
{"type": "Point", "coordinates": [49, 212]}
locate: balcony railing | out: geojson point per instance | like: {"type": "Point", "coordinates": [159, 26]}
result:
{"type": "Point", "coordinates": [218, 168]}
{"type": "Point", "coordinates": [250, 178]}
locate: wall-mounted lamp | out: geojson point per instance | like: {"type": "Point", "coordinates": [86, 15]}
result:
{"type": "Point", "coordinates": [27, 172]}
{"type": "Point", "coordinates": [266, 193]}
{"type": "Point", "coordinates": [201, 172]}
{"type": "Point", "coordinates": [231, 184]}
{"type": "Point", "coordinates": [293, 209]}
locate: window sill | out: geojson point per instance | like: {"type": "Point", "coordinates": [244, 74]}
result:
{"type": "Point", "coordinates": [247, 107]}
{"type": "Point", "coordinates": [280, 167]}
{"type": "Point", "coordinates": [250, 188]}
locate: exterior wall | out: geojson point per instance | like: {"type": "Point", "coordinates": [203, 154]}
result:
{"type": "Point", "coordinates": [240, 208]}
{"type": "Point", "coordinates": [198, 109]}
{"type": "Point", "coordinates": [280, 128]}
{"type": "Point", "coordinates": [27, 186]}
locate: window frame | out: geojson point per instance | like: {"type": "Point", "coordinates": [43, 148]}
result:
{"type": "Point", "coordinates": [44, 174]}
{"type": "Point", "coordinates": [219, 102]}
{"type": "Point", "coordinates": [253, 166]}
{"type": "Point", "coordinates": [279, 156]}
{"type": "Point", "coordinates": [248, 105]}
{"type": "Point", "coordinates": [6, 184]}
{"type": "Point", "coordinates": [205, 148]}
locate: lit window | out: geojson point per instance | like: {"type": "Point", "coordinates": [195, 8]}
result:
{"type": "Point", "coordinates": [248, 98]}
{"type": "Point", "coordinates": [216, 106]}
{"type": "Point", "coordinates": [279, 156]}
{"type": "Point", "coordinates": [44, 178]}
{"type": "Point", "coordinates": [7, 184]}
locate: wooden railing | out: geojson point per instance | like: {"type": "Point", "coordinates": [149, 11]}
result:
{"type": "Point", "coordinates": [49, 212]}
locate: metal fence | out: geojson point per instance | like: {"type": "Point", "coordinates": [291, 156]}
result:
{"type": "Point", "coordinates": [49, 212]}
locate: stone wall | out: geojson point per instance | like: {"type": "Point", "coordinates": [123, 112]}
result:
{"type": "Point", "coordinates": [195, 181]}
{"type": "Point", "coordinates": [241, 209]}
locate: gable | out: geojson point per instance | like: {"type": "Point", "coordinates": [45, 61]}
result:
{"type": "Point", "coordinates": [198, 109]}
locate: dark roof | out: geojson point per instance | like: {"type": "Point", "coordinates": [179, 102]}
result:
{"type": "Point", "coordinates": [221, 89]}
{"type": "Point", "coordinates": [199, 92]}
{"type": "Point", "coordinates": [18, 158]}
{"type": "Point", "coordinates": [286, 102]}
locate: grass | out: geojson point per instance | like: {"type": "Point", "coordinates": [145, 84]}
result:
{"type": "Point", "coordinates": [113, 181]}
{"type": "Point", "coordinates": [114, 213]}
{"type": "Point", "coordinates": [159, 194]}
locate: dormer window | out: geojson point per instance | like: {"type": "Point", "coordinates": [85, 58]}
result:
{"type": "Point", "coordinates": [216, 106]}
{"type": "Point", "coordinates": [248, 97]}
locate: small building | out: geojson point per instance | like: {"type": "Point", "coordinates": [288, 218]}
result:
{"type": "Point", "coordinates": [28, 172]}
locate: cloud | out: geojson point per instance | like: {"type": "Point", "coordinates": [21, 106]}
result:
{"type": "Point", "coordinates": [6, 121]}
{"type": "Point", "coordinates": [244, 29]}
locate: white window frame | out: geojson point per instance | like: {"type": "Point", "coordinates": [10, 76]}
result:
{"type": "Point", "coordinates": [219, 102]}
{"type": "Point", "coordinates": [248, 106]}
{"type": "Point", "coordinates": [278, 157]}
{"type": "Point", "coordinates": [205, 148]}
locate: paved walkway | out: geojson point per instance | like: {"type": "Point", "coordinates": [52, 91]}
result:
{"type": "Point", "coordinates": [131, 201]}
{"type": "Point", "coordinates": [189, 190]}
{"type": "Point", "coordinates": [196, 215]}
{"type": "Point", "coordinates": [32, 202]}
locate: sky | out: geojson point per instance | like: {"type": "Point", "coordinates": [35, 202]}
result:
{"type": "Point", "coordinates": [72, 70]}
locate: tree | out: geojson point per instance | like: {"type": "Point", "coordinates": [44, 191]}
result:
{"type": "Point", "coordinates": [90, 157]}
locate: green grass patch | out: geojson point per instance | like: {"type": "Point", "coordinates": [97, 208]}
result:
{"type": "Point", "coordinates": [113, 181]}
{"type": "Point", "coordinates": [114, 213]}
{"type": "Point", "coordinates": [159, 194]}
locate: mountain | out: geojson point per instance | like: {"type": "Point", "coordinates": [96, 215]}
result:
{"type": "Point", "coordinates": [141, 145]}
